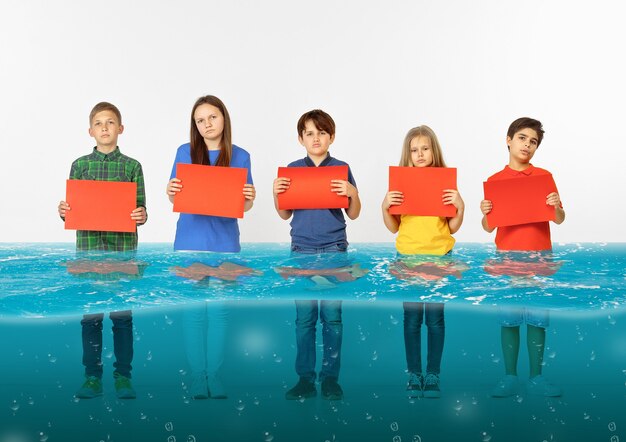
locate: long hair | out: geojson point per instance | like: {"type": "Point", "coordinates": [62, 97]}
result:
{"type": "Point", "coordinates": [421, 131]}
{"type": "Point", "coordinates": [199, 154]}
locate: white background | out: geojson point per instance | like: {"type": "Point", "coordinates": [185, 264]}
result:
{"type": "Point", "coordinates": [467, 69]}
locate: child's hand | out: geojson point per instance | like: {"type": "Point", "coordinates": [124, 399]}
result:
{"type": "Point", "coordinates": [249, 192]}
{"type": "Point", "coordinates": [343, 188]}
{"type": "Point", "coordinates": [281, 185]}
{"type": "Point", "coordinates": [486, 206]}
{"type": "Point", "coordinates": [139, 215]}
{"type": "Point", "coordinates": [393, 198]}
{"type": "Point", "coordinates": [452, 196]}
{"type": "Point", "coordinates": [173, 187]}
{"type": "Point", "coordinates": [553, 200]}
{"type": "Point", "coordinates": [63, 207]}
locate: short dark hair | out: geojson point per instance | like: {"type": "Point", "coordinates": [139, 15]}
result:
{"type": "Point", "coordinates": [526, 123]}
{"type": "Point", "coordinates": [321, 119]}
{"type": "Point", "coordinates": [104, 106]}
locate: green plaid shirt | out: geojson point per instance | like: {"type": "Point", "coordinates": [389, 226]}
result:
{"type": "Point", "coordinates": [110, 167]}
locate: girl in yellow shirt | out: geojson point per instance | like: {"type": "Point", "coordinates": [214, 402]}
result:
{"type": "Point", "coordinates": [423, 235]}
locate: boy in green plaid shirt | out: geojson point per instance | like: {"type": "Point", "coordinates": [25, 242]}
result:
{"type": "Point", "coordinates": [107, 163]}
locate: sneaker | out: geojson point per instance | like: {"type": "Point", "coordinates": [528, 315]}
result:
{"type": "Point", "coordinates": [507, 386]}
{"type": "Point", "coordinates": [90, 389]}
{"type": "Point", "coordinates": [540, 386]}
{"type": "Point", "coordinates": [123, 387]}
{"type": "Point", "coordinates": [198, 388]}
{"type": "Point", "coordinates": [302, 390]}
{"type": "Point", "coordinates": [331, 390]}
{"type": "Point", "coordinates": [415, 386]}
{"type": "Point", "coordinates": [431, 386]}
{"type": "Point", "coordinates": [216, 388]}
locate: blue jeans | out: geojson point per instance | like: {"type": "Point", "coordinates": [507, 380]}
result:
{"type": "Point", "coordinates": [122, 342]}
{"type": "Point", "coordinates": [413, 319]}
{"type": "Point", "coordinates": [332, 336]}
{"type": "Point", "coordinates": [204, 330]}
{"type": "Point", "coordinates": [329, 313]}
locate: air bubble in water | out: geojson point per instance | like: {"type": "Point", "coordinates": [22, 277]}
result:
{"type": "Point", "coordinates": [394, 426]}
{"type": "Point", "coordinates": [612, 426]}
{"type": "Point", "coordinates": [486, 436]}
{"type": "Point", "coordinates": [43, 437]}
{"type": "Point", "coordinates": [268, 437]}
{"type": "Point", "coordinates": [169, 426]}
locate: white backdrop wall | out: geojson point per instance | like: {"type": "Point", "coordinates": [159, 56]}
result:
{"type": "Point", "coordinates": [467, 69]}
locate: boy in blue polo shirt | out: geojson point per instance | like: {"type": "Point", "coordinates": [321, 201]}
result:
{"type": "Point", "coordinates": [315, 231]}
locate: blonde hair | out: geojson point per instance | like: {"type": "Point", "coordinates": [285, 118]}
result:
{"type": "Point", "coordinates": [421, 131]}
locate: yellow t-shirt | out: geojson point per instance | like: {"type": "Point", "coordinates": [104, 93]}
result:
{"type": "Point", "coordinates": [424, 235]}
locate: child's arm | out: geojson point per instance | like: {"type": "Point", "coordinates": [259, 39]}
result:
{"type": "Point", "coordinates": [452, 196]}
{"type": "Point", "coordinates": [345, 188]}
{"type": "Point", "coordinates": [280, 185]}
{"type": "Point", "coordinates": [249, 192]}
{"type": "Point", "coordinates": [140, 214]}
{"type": "Point", "coordinates": [173, 187]}
{"type": "Point", "coordinates": [485, 208]}
{"type": "Point", "coordinates": [62, 208]}
{"type": "Point", "coordinates": [554, 200]}
{"type": "Point", "coordinates": [393, 198]}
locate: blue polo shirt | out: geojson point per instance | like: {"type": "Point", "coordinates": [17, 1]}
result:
{"type": "Point", "coordinates": [318, 228]}
{"type": "Point", "coordinates": [203, 232]}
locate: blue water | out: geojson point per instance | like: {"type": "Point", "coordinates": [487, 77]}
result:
{"type": "Point", "coordinates": [42, 302]}
{"type": "Point", "coordinates": [36, 280]}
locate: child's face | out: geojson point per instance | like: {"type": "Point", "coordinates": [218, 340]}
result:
{"type": "Point", "coordinates": [523, 145]}
{"type": "Point", "coordinates": [105, 128]}
{"type": "Point", "coordinates": [209, 122]}
{"type": "Point", "coordinates": [421, 152]}
{"type": "Point", "coordinates": [315, 141]}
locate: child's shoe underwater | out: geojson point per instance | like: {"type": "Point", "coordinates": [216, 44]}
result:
{"type": "Point", "coordinates": [198, 387]}
{"type": "Point", "coordinates": [331, 390]}
{"type": "Point", "coordinates": [507, 386]}
{"type": "Point", "coordinates": [123, 387]}
{"type": "Point", "coordinates": [541, 387]}
{"type": "Point", "coordinates": [216, 388]}
{"type": "Point", "coordinates": [431, 386]}
{"type": "Point", "coordinates": [90, 389]}
{"type": "Point", "coordinates": [415, 386]}
{"type": "Point", "coordinates": [302, 390]}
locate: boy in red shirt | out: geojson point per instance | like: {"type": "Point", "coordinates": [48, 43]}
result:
{"type": "Point", "coordinates": [523, 139]}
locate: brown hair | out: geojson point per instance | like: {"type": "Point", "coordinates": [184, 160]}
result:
{"type": "Point", "coordinates": [526, 123]}
{"type": "Point", "coordinates": [104, 106]}
{"type": "Point", "coordinates": [199, 154]}
{"type": "Point", "coordinates": [320, 119]}
{"type": "Point", "coordinates": [421, 131]}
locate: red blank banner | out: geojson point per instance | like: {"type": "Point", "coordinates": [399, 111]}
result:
{"type": "Point", "coordinates": [100, 205]}
{"type": "Point", "coordinates": [519, 200]}
{"type": "Point", "coordinates": [210, 190]}
{"type": "Point", "coordinates": [423, 190]}
{"type": "Point", "coordinates": [310, 188]}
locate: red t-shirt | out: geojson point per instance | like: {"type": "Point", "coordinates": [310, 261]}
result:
{"type": "Point", "coordinates": [531, 236]}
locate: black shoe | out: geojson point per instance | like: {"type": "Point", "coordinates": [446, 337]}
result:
{"type": "Point", "coordinates": [431, 386]}
{"type": "Point", "coordinates": [303, 389]}
{"type": "Point", "coordinates": [331, 390]}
